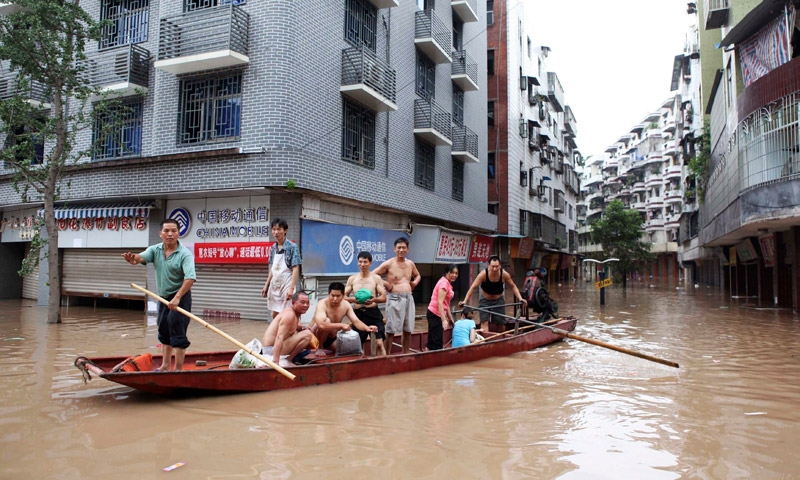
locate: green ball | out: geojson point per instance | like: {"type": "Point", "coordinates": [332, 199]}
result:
{"type": "Point", "coordinates": [363, 295]}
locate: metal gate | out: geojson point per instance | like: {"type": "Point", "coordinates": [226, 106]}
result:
{"type": "Point", "coordinates": [230, 291]}
{"type": "Point", "coordinates": [30, 282]}
{"type": "Point", "coordinates": [101, 272]}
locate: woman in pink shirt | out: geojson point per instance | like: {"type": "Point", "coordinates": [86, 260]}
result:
{"type": "Point", "coordinates": [439, 315]}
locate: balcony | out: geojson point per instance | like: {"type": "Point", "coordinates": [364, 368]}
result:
{"type": "Point", "coordinates": [670, 149]}
{"type": "Point", "coordinates": [555, 92]}
{"type": "Point", "coordinates": [654, 179]}
{"type": "Point", "coordinates": [638, 206]}
{"type": "Point", "coordinates": [639, 187]}
{"type": "Point", "coordinates": [592, 212]}
{"type": "Point", "coordinates": [385, 3]}
{"type": "Point", "coordinates": [432, 36]}
{"type": "Point", "coordinates": [467, 10]}
{"type": "Point", "coordinates": [716, 13]}
{"type": "Point", "coordinates": [559, 204]}
{"type": "Point", "coordinates": [672, 220]}
{"type": "Point", "coordinates": [569, 122]}
{"type": "Point", "coordinates": [592, 195]}
{"type": "Point", "coordinates": [610, 164]}
{"type": "Point", "coordinates": [593, 180]}
{"type": "Point", "coordinates": [464, 72]}
{"type": "Point", "coordinates": [431, 123]}
{"type": "Point", "coordinates": [653, 158]}
{"type": "Point", "coordinates": [123, 71]}
{"type": "Point", "coordinates": [624, 193]}
{"type": "Point", "coordinates": [669, 126]}
{"type": "Point", "coordinates": [465, 145]}
{"type": "Point", "coordinates": [673, 172]}
{"type": "Point", "coordinates": [655, 202]}
{"type": "Point", "coordinates": [204, 39]}
{"type": "Point", "coordinates": [674, 196]}
{"type": "Point", "coordinates": [368, 79]}
{"type": "Point", "coordinates": [654, 224]}
{"type": "Point", "coordinates": [32, 92]}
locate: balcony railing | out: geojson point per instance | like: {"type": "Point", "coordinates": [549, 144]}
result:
{"type": "Point", "coordinates": [204, 39]}
{"type": "Point", "coordinates": [122, 71]}
{"type": "Point", "coordinates": [555, 92]}
{"type": "Point", "coordinates": [465, 71]}
{"type": "Point", "coordinates": [385, 3]}
{"type": "Point", "coordinates": [569, 122]}
{"type": "Point", "coordinates": [465, 145]}
{"type": "Point", "coordinates": [431, 122]}
{"type": "Point", "coordinates": [368, 79]}
{"type": "Point", "coordinates": [34, 92]}
{"type": "Point", "coordinates": [467, 10]}
{"type": "Point", "coordinates": [432, 36]}
{"type": "Point", "coordinates": [716, 13]}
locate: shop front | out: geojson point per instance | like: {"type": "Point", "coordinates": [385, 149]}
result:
{"type": "Point", "coordinates": [16, 232]}
{"type": "Point", "coordinates": [230, 239]}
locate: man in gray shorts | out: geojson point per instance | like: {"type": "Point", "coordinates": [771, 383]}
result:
{"type": "Point", "coordinates": [492, 283]}
{"type": "Point", "coordinates": [401, 278]}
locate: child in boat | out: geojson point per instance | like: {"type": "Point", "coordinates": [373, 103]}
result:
{"type": "Point", "coordinates": [464, 331]}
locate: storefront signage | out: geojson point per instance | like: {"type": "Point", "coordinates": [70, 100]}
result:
{"type": "Point", "coordinates": [101, 223]}
{"type": "Point", "coordinates": [331, 249]}
{"type": "Point", "coordinates": [525, 247]}
{"type": "Point", "coordinates": [453, 247]}
{"type": "Point", "coordinates": [232, 252]}
{"type": "Point", "coordinates": [238, 219]}
{"type": "Point", "coordinates": [768, 249]}
{"type": "Point", "coordinates": [18, 226]}
{"type": "Point", "coordinates": [481, 249]}
{"type": "Point", "coordinates": [745, 251]}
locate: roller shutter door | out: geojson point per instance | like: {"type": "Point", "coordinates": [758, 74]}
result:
{"type": "Point", "coordinates": [30, 282]}
{"type": "Point", "coordinates": [101, 272]}
{"type": "Point", "coordinates": [230, 289]}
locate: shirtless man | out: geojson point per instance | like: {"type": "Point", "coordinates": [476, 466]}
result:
{"type": "Point", "coordinates": [285, 334]}
{"type": "Point", "coordinates": [492, 282]}
{"type": "Point", "coordinates": [401, 278]}
{"type": "Point", "coordinates": [329, 315]}
{"type": "Point", "coordinates": [368, 312]}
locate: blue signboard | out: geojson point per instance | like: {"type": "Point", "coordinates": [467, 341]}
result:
{"type": "Point", "coordinates": [331, 249]}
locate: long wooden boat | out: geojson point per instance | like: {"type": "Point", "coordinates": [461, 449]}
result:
{"type": "Point", "coordinates": [208, 373]}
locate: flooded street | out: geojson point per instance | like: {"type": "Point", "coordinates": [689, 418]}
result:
{"type": "Point", "coordinates": [568, 411]}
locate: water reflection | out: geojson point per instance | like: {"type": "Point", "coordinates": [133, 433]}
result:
{"type": "Point", "coordinates": [571, 410]}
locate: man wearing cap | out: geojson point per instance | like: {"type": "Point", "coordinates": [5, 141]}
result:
{"type": "Point", "coordinates": [365, 291]}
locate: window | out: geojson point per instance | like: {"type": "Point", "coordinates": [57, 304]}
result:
{"type": "Point", "coordinates": [729, 84]}
{"type": "Point", "coordinates": [458, 106]}
{"type": "Point", "coordinates": [358, 134]}
{"type": "Point", "coordinates": [426, 4]}
{"type": "Point", "coordinates": [493, 208]}
{"type": "Point", "coordinates": [489, 12]}
{"type": "Point", "coordinates": [211, 109]}
{"type": "Point", "coordinates": [29, 145]}
{"type": "Point", "coordinates": [426, 77]}
{"type": "Point", "coordinates": [458, 180]}
{"type": "Point", "coordinates": [118, 131]}
{"type": "Point", "coordinates": [360, 23]}
{"type": "Point", "coordinates": [490, 165]}
{"type": "Point", "coordinates": [425, 164]}
{"type": "Point", "coordinates": [192, 5]}
{"type": "Point", "coordinates": [530, 49]}
{"type": "Point", "coordinates": [490, 113]}
{"type": "Point", "coordinates": [127, 22]}
{"type": "Point", "coordinates": [490, 62]}
{"type": "Point", "coordinates": [458, 34]}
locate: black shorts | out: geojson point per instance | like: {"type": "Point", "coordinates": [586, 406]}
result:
{"type": "Point", "coordinates": [172, 324]}
{"type": "Point", "coordinates": [371, 316]}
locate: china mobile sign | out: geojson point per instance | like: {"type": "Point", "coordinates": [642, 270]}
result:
{"type": "Point", "coordinates": [232, 252]}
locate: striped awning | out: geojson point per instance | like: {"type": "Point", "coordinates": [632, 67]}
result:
{"type": "Point", "coordinates": [129, 209]}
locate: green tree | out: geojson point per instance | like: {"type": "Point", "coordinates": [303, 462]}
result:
{"type": "Point", "coordinates": [699, 163]}
{"type": "Point", "coordinates": [42, 48]}
{"type": "Point", "coordinates": [619, 231]}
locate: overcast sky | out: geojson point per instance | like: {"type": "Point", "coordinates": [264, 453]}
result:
{"type": "Point", "coordinates": [613, 59]}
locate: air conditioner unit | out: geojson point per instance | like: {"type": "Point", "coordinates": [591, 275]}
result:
{"type": "Point", "coordinates": [542, 198]}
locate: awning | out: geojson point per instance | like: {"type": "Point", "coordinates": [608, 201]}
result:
{"type": "Point", "coordinates": [759, 16]}
{"type": "Point", "coordinates": [129, 209]}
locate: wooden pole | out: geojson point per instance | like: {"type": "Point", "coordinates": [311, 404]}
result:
{"type": "Point", "coordinates": [219, 332]}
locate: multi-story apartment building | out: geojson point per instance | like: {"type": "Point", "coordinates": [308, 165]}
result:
{"type": "Point", "coordinates": [749, 215]}
{"type": "Point", "coordinates": [354, 120]}
{"type": "Point", "coordinates": [532, 154]}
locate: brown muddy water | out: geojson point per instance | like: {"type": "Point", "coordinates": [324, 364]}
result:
{"type": "Point", "coordinates": [568, 411]}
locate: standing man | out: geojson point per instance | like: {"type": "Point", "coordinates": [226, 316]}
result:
{"type": "Point", "coordinates": [492, 282]}
{"type": "Point", "coordinates": [175, 276]}
{"type": "Point", "coordinates": [285, 334]}
{"type": "Point", "coordinates": [330, 314]}
{"type": "Point", "coordinates": [401, 278]}
{"type": "Point", "coordinates": [284, 268]}
{"type": "Point", "coordinates": [367, 310]}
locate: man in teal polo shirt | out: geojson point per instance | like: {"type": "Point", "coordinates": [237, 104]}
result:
{"type": "Point", "coordinates": [175, 276]}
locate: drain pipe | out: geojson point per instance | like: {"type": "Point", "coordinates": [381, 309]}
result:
{"type": "Point", "coordinates": [388, 62]}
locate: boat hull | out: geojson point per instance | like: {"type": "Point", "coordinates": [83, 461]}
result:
{"type": "Point", "coordinates": [208, 373]}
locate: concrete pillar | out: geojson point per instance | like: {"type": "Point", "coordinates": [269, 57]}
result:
{"type": "Point", "coordinates": [778, 262]}
{"type": "Point", "coordinates": [795, 255]}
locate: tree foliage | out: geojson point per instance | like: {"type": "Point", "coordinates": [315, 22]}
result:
{"type": "Point", "coordinates": [699, 163]}
{"type": "Point", "coordinates": [619, 231]}
{"type": "Point", "coordinates": [42, 50]}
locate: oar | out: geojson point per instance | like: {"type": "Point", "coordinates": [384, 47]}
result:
{"type": "Point", "coordinates": [219, 332]}
{"type": "Point", "coordinates": [592, 341]}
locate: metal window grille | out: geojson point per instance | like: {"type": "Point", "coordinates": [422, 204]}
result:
{"type": "Point", "coordinates": [192, 5]}
{"type": "Point", "coordinates": [490, 162]}
{"type": "Point", "coordinates": [458, 106]}
{"type": "Point", "coordinates": [458, 180]}
{"type": "Point", "coordinates": [426, 78]}
{"type": "Point", "coordinates": [211, 109]}
{"type": "Point", "coordinates": [30, 145]}
{"type": "Point", "coordinates": [360, 23]}
{"type": "Point", "coordinates": [358, 135]}
{"type": "Point", "coordinates": [118, 132]}
{"type": "Point", "coordinates": [425, 165]}
{"type": "Point", "coordinates": [128, 22]}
